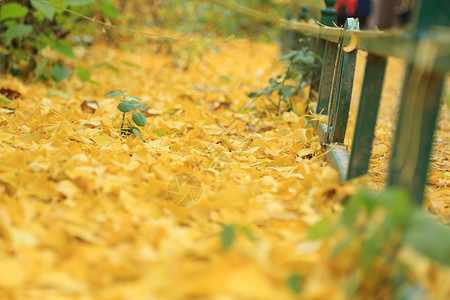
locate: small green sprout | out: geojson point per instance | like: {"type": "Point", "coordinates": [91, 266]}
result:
{"type": "Point", "coordinates": [127, 104]}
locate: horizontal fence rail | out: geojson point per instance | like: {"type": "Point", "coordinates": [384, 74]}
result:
{"type": "Point", "coordinates": [425, 47]}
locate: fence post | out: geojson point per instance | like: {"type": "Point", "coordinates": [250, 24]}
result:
{"type": "Point", "coordinates": [366, 119]}
{"type": "Point", "coordinates": [300, 41]}
{"type": "Point", "coordinates": [304, 13]}
{"type": "Point", "coordinates": [287, 36]}
{"type": "Point", "coordinates": [328, 16]}
{"type": "Point", "coordinates": [328, 13]}
{"type": "Point", "coordinates": [420, 102]}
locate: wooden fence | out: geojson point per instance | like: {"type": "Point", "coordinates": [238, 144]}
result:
{"type": "Point", "coordinates": [425, 47]}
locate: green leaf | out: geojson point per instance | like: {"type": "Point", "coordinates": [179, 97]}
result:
{"type": "Point", "coordinates": [40, 68]}
{"type": "Point", "coordinates": [134, 101]}
{"type": "Point", "coordinates": [309, 60]}
{"type": "Point", "coordinates": [9, 23]}
{"type": "Point", "coordinates": [134, 97]}
{"type": "Point", "coordinates": [160, 133]}
{"type": "Point", "coordinates": [47, 10]}
{"type": "Point", "coordinates": [79, 2]}
{"type": "Point", "coordinates": [83, 74]}
{"type": "Point", "coordinates": [343, 244]}
{"type": "Point", "coordinates": [130, 64]}
{"type": "Point", "coordinates": [244, 110]}
{"type": "Point", "coordinates": [139, 119]}
{"type": "Point", "coordinates": [171, 111]}
{"type": "Point", "coordinates": [125, 107]}
{"type": "Point", "coordinates": [59, 94]}
{"type": "Point", "coordinates": [112, 68]}
{"type": "Point", "coordinates": [253, 95]}
{"type": "Point", "coordinates": [12, 10]}
{"type": "Point", "coordinates": [112, 91]}
{"type": "Point", "coordinates": [429, 238]}
{"type": "Point", "coordinates": [287, 94]}
{"type": "Point", "coordinates": [60, 73]}
{"type": "Point", "coordinates": [63, 49]}
{"type": "Point", "coordinates": [227, 237]}
{"type": "Point", "coordinates": [136, 132]}
{"type": "Point", "coordinates": [141, 106]}
{"type": "Point", "coordinates": [230, 37]}
{"type": "Point", "coordinates": [18, 30]}
{"type": "Point", "coordinates": [120, 99]}
{"type": "Point", "coordinates": [370, 249]}
{"type": "Point", "coordinates": [320, 230]}
{"type": "Point", "coordinates": [4, 101]}
{"type": "Point", "coordinates": [108, 10]}
{"type": "Point", "coordinates": [248, 233]}
{"type": "Point", "coordinates": [114, 95]}
{"type": "Point", "coordinates": [294, 283]}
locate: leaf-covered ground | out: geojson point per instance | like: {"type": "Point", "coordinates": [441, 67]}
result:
{"type": "Point", "coordinates": [87, 214]}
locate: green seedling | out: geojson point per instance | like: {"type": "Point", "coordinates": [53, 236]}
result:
{"type": "Point", "coordinates": [129, 104]}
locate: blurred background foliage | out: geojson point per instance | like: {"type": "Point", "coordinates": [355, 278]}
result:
{"type": "Point", "coordinates": [212, 20]}
{"type": "Point", "coordinates": [33, 30]}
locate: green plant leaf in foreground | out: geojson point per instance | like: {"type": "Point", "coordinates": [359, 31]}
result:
{"type": "Point", "coordinates": [139, 119]}
{"type": "Point", "coordinates": [125, 107]}
{"type": "Point", "coordinates": [227, 237]}
{"type": "Point", "coordinates": [429, 238]}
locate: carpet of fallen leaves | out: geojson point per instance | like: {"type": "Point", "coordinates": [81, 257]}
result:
{"type": "Point", "coordinates": [85, 212]}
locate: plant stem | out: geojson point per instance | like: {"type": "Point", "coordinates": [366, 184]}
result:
{"type": "Point", "coordinates": [123, 119]}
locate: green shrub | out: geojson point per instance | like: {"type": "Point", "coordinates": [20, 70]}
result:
{"type": "Point", "coordinates": [32, 26]}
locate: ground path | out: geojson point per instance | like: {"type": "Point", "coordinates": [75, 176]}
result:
{"type": "Point", "coordinates": [85, 213]}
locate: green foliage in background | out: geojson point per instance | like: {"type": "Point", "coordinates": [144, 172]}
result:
{"type": "Point", "coordinates": [212, 20]}
{"type": "Point", "coordinates": [31, 27]}
{"type": "Point", "coordinates": [300, 63]}
{"type": "Point", "coordinates": [379, 225]}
